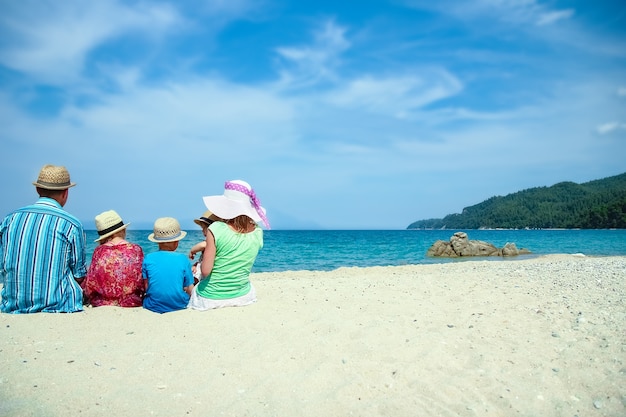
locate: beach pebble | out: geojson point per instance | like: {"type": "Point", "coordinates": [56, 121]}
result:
{"type": "Point", "coordinates": [597, 404]}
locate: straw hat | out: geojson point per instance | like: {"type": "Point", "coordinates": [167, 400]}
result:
{"type": "Point", "coordinates": [52, 177]}
{"type": "Point", "coordinates": [205, 219]}
{"type": "Point", "coordinates": [166, 229]}
{"type": "Point", "coordinates": [238, 199]}
{"type": "Point", "coordinates": [109, 223]}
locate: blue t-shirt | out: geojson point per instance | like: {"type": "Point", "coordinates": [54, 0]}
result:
{"type": "Point", "coordinates": [167, 273]}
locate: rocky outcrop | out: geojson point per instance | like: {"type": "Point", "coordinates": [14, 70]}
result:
{"type": "Point", "coordinates": [460, 245]}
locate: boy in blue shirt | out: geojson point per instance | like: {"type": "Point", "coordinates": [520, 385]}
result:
{"type": "Point", "coordinates": [166, 274]}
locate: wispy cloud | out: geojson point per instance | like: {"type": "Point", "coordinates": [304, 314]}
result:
{"type": "Point", "coordinates": [610, 127]}
{"type": "Point", "coordinates": [511, 11]}
{"type": "Point", "coordinates": [548, 18]}
{"type": "Point", "coordinates": [208, 113]}
{"type": "Point", "coordinates": [306, 65]}
{"type": "Point", "coordinates": [397, 96]}
{"type": "Point", "coordinates": [393, 94]}
{"type": "Point", "coordinates": [50, 40]}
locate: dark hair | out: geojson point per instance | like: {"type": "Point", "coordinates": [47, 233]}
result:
{"type": "Point", "coordinates": [44, 192]}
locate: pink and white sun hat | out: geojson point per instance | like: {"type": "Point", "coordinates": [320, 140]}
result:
{"type": "Point", "coordinates": [238, 198]}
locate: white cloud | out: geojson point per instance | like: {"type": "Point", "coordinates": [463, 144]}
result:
{"type": "Point", "coordinates": [553, 16]}
{"type": "Point", "coordinates": [215, 113]}
{"type": "Point", "coordinates": [607, 128]}
{"type": "Point", "coordinates": [310, 64]}
{"type": "Point", "coordinates": [396, 96]}
{"type": "Point", "coordinates": [510, 11]}
{"type": "Point", "coordinates": [50, 40]}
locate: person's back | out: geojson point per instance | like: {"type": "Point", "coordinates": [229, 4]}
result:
{"type": "Point", "coordinates": [114, 276]}
{"type": "Point", "coordinates": [232, 245]}
{"type": "Point", "coordinates": [234, 258]}
{"type": "Point", "coordinates": [42, 251]}
{"type": "Point", "coordinates": [167, 274]}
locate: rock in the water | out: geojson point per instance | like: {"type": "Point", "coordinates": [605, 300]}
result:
{"type": "Point", "coordinates": [460, 245]}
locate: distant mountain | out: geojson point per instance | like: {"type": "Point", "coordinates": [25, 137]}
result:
{"type": "Point", "coordinates": [599, 204]}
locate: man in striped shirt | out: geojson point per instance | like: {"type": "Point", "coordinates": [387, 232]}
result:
{"type": "Point", "coordinates": [42, 251]}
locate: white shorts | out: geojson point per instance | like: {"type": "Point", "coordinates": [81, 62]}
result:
{"type": "Point", "coordinates": [197, 302]}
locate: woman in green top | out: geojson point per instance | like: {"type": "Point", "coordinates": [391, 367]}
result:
{"type": "Point", "coordinates": [232, 245]}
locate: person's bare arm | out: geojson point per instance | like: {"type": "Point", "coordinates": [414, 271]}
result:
{"type": "Point", "coordinates": [208, 257]}
{"type": "Point", "coordinates": [188, 289]}
{"type": "Point", "coordinates": [198, 247]}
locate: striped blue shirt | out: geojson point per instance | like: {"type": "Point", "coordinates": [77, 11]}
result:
{"type": "Point", "coordinates": [42, 251]}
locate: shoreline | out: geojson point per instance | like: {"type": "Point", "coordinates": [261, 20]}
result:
{"type": "Point", "coordinates": [539, 336]}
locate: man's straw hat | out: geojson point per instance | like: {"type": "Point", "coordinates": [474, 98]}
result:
{"type": "Point", "coordinates": [52, 177]}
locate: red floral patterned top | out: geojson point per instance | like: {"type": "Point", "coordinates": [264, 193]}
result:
{"type": "Point", "coordinates": [114, 276]}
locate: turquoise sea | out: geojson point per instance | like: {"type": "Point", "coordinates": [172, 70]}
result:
{"type": "Point", "coordinates": [324, 250]}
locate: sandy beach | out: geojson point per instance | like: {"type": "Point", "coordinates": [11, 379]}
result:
{"type": "Point", "coordinates": [535, 337]}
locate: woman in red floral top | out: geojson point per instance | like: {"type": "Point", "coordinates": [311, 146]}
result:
{"type": "Point", "coordinates": [114, 276]}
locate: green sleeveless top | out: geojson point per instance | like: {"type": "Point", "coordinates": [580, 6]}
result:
{"type": "Point", "coordinates": [235, 254]}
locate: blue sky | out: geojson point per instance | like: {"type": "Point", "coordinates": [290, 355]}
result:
{"type": "Point", "coordinates": [342, 115]}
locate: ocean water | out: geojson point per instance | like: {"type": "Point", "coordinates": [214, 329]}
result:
{"type": "Point", "coordinates": [324, 250]}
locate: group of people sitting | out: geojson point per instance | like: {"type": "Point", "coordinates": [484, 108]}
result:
{"type": "Point", "coordinates": [43, 265]}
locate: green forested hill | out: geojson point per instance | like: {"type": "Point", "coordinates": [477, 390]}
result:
{"type": "Point", "coordinates": [599, 204]}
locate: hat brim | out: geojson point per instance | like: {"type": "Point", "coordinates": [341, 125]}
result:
{"type": "Point", "coordinates": [203, 222]}
{"type": "Point", "coordinates": [227, 208]}
{"type": "Point", "coordinates": [182, 234]}
{"type": "Point", "coordinates": [48, 186]}
{"type": "Point", "coordinates": [104, 236]}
